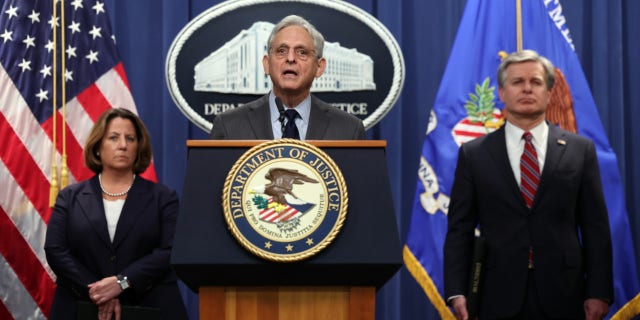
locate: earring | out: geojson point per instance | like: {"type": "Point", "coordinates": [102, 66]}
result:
{"type": "Point", "coordinates": [98, 153]}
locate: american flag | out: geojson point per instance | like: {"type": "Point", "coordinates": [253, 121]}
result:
{"type": "Point", "coordinates": [272, 215]}
{"type": "Point", "coordinates": [287, 212]}
{"type": "Point", "coordinates": [95, 81]}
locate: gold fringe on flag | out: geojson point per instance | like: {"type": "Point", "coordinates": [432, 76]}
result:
{"type": "Point", "coordinates": [629, 310]}
{"type": "Point", "coordinates": [422, 277]}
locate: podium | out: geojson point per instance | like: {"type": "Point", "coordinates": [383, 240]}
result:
{"type": "Point", "coordinates": [339, 282]}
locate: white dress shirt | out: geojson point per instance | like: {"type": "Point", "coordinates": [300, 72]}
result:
{"type": "Point", "coordinates": [515, 145]}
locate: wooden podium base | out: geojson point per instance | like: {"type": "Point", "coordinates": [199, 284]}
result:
{"type": "Point", "coordinates": [287, 303]}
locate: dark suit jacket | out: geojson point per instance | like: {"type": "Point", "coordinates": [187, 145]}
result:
{"type": "Point", "coordinates": [80, 252]}
{"type": "Point", "coordinates": [252, 122]}
{"type": "Point", "coordinates": [567, 226]}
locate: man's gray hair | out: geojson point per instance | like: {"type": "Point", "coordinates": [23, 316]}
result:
{"type": "Point", "coordinates": [526, 56]}
{"type": "Point", "coordinates": [293, 20]}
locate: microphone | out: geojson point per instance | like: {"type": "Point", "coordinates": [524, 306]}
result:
{"type": "Point", "coordinates": [281, 111]}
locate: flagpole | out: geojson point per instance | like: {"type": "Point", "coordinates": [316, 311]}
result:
{"type": "Point", "coordinates": [53, 189]}
{"type": "Point", "coordinates": [519, 25]}
{"type": "Point", "coordinates": [64, 170]}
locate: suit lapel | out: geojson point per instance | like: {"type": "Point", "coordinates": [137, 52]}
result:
{"type": "Point", "coordinates": [134, 208]}
{"type": "Point", "coordinates": [498, 150]}
{"type": "Point", "coordinates": [259, 118]}
{"type": "Point", "coordinates": [318, 120]}
{"type": "Point", "coordinates": [556, 146]}
{"type": "Point", "coordinates": [90, 201]}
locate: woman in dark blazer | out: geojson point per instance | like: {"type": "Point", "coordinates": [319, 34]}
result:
{"type": "Point", "coordinates": [109, 238]}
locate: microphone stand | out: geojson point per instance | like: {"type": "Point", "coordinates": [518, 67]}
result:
{"type": "Point", "coordinates": [281, 111]}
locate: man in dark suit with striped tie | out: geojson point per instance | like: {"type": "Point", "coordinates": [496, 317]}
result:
{"type": "Point", "coordinates": [294, 59]}
{"type": "Point", "coordinates": [534, 192]}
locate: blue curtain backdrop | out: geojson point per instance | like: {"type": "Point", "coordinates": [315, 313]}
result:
{"type": "Point", "coordinates": [605, 34]}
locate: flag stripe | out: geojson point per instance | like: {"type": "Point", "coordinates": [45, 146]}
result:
{"type": "Point", "coordinates": [119, 68]}
{"type": "Point", "coordinates": [290, 214]}
{"type": "Point", "coordinates": [115, 89]}
{"type": "Point", "coordinates": [79, 121]}
{"type": "Point", "coordinates": [19, 116]}
{"type": "Point", "coordinates": [268, 215]}
{"type": "Point", "coordinates": [28, 269]}
{"type": "Point", "coordinates": [94, 101]}
{"type": "Point", "coordinates": [75, 160]}
{"type": "Point", "coordinates": [26, 172]}
{"type": "Point", "coordinates": [15, 297]}
{"type": "Point", "coordinates": [4, 312]}
{"type": "Point", "coordinates": [23, 215]}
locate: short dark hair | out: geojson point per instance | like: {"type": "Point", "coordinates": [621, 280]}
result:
{"type": "Point", "coordinates": [526, 56]}
{"type": "Point", "coordinates": [92, 146]}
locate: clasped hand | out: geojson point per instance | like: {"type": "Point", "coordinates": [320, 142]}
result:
{"type": "Point", "coordinates": [104, 293]}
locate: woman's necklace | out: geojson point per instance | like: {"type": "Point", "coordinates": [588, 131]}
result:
{"type": "Point", "coordinates": [115, 195]}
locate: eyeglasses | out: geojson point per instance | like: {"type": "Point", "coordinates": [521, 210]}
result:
{"type": "Point", "coordinates": [303, 54]}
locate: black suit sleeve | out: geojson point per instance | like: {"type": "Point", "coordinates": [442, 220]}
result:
{"type": "Point", "coordinates": [594, 226]}
{"type": "Point", "coordinates": [147, 270]}
{"type": "Point", "coordinates": [462, 220]}
{"type": "Point", "coordinates": [218, 132]}
{"type": "Point", "coordinates": [70, 272]}
{"type": "Point", "coordinates": [359, 133]}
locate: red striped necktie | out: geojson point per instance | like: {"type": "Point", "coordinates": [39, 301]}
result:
{"type": "Point", "coordinates": [529, 170]}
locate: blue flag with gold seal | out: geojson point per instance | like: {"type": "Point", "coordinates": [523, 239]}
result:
{"type": "Point", "coordinates": [467, 107]}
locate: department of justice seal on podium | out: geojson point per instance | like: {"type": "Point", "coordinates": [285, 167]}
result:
{"type": "Point", "coordinates": [285, 200]}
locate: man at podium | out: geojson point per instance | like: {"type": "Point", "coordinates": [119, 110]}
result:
{"type": "Point", "coordinates": [294, 59]}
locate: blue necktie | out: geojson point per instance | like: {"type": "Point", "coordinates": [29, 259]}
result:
{"type": "Point", "coordinates": [290, 129]}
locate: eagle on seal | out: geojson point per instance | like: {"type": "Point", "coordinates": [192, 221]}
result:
{"type": "Point", "coordinates": [282, 181]}
{"type": "Point", "coordinates": [560, 109]}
